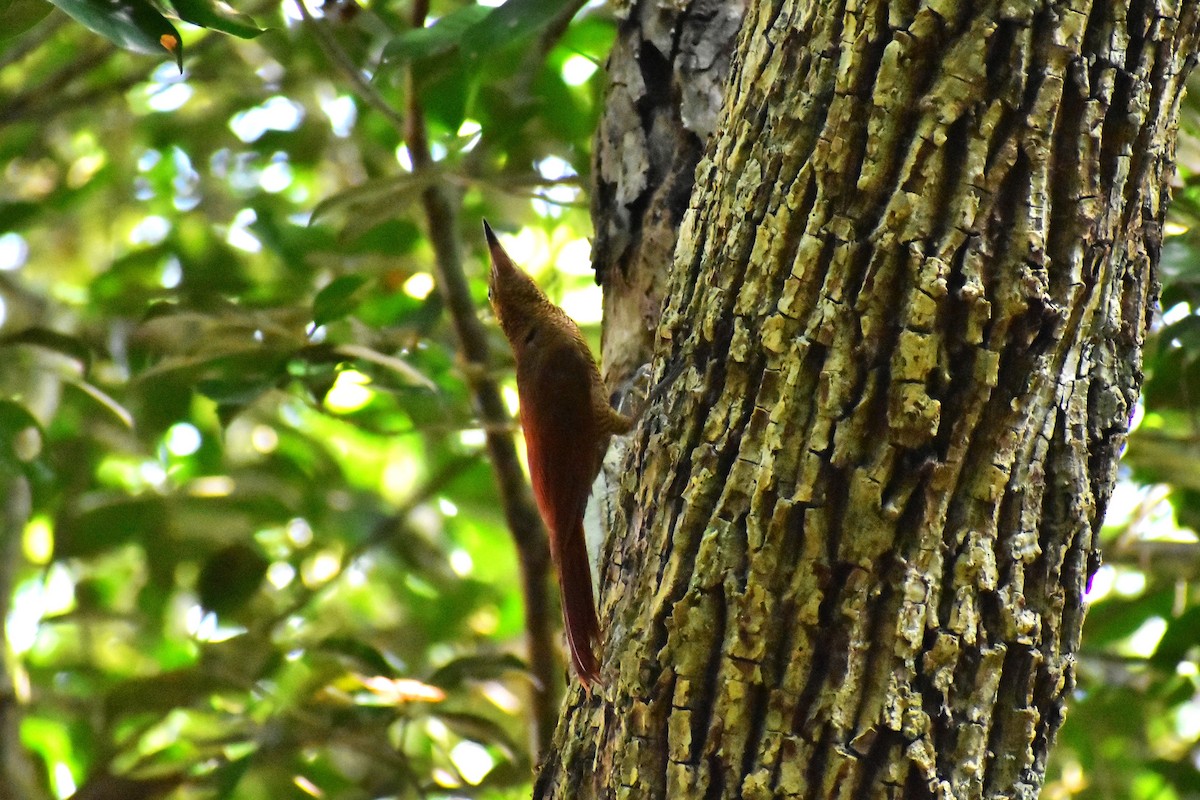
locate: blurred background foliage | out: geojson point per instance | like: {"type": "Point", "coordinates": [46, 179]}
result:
{"type": "Point", "coordinates": [251, 544]}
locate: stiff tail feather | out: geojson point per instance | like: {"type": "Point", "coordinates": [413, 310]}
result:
{"type": "Point", "coordinates": [579, 607]}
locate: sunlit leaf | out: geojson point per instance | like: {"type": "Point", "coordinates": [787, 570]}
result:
{"type": "Point", "coordinates": [511, 22]}
{"type": "Point", "coordinates": [130, 24]}
{"type": "Point", "coordinates": [440, 38]}
{"type": "Point", "coordinates": [218, 16]}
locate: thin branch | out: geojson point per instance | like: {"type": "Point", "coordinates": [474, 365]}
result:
{"type": "Point", "coordinates": [529, 535]}
{"type": "Point", "coordinates": [525, 525]}
{"type": "Point", "coordinates": [334, 52]}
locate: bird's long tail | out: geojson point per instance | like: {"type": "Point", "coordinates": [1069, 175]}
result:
{"type": "Point", "coordinates": [579, 607]}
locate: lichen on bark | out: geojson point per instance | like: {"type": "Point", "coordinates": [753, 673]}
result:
{"type": "Point", "coordinates": [893, 373]}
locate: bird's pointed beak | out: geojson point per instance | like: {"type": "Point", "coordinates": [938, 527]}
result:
{"type": "Point", "coordinates": [500, 260]}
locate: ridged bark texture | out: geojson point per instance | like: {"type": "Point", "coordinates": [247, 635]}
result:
{"type": "Point", "coordinates": [894, 371]}
{"type": "Point", "coordinates": [666, 78]}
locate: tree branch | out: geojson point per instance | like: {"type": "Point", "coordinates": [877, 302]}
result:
{"type": "Point", "coordinates": [529, 535]}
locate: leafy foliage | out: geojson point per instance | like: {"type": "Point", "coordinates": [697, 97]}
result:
{"type": "Point", "coordinates": [262, 555]}
{"type": "Point", "coordinates": [255, 548]}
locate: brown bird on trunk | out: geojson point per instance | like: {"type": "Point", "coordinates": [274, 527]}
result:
{"type": "Point", "coordinates": [568, 424]}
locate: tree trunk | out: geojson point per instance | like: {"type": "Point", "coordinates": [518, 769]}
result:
{"type": "Point", "coordinates": [892, 376]}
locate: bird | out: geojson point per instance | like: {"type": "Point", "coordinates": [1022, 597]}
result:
{"type": "Point", "coordinates": [567, 423]}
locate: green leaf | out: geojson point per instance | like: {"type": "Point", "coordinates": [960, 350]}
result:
{"type": "Point", "coordinates": [1181, 635]}
{"type": "Point", "coordinates": [511, 22]}
{"type": "Point", "coordinates": [16, 425]}
{"type": "Point", "coordinates": [102, 527]}
{"type": "Point", "coordinates": [130, 24]}
{"type": "Point", "coordinates": [441, 38]}
{"type": "Point", "coordinates": [18, 16]}
{"type": "Point", "coordinates": [230, 578]}
{"type": "Point", "coordinates": [479, 729]}
{"type": "Point", "coordinates": [375, 201]}
{"type": "Point", "coordinates": [484, 667]}
{"type": "Point", "coordinates": [337, 299]}
{"type": "Point", "coordinates": [51, 340]}
{"type": "Point", "coordinates": [217, 16]}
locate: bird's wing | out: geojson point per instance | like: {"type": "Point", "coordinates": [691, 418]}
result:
{"type": "Point", "coordinates": [561, 432]}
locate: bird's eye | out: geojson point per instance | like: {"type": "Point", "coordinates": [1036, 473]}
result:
{"type": "Point", "coordinates": [529, 336]}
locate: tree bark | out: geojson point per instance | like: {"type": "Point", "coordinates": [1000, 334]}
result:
{"type": "Point", "coordinates": [892, 377]}
{"type": "Point", "coordinates": [666, 78]}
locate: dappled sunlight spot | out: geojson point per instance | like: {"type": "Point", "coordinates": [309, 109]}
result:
{"type": "Point", "coordinates": [1187, 714]}
{"type": "Point", "coordinates": [472, 131]}
{"type": "Point", "coordinates": [171, 97]}
{"type": "Point", "coordinates": [64, 781]}
{"type": "Point", "coordinates": [320, 568]}
{"type": "Point", "coordinates": [281, 574]}
{"type": "Point", "coordinates": [445, 778]}
{"type": "Point", "coordinates": [277, 113]}
{"type": "Point", "coordinates": [396, 691]}
{"type": "Point", "coordinates": [512, 400]}
{"type": "Point", "coordinates": [264, 439]}
{"type": "Point", "coordinates": [577, 70]}
{"type": "Point", "coordinates": [1175, 313]}
{"type": "Point", "coordinates": [419, 285]}
{"type": "Point", "coordinates": [276, 176]}
{"type": "Point", "coordinates": [575, 258]}
{"type": "Point", "coordinates": [14, 251]}
{"type": "Point", "coordinates": [349, 392]}
{"type": "Point", "coordinates": [553, 168]}
{"type": "Point", "coordinates": [341, 111]}
{"type": "Point", "coordinates": [204, 626]}
{"type": "Point", "coordinates": [238, 236]}
{"type": "Point", "coordinates": [182, 439]}
{"type": "Point", "coordinates": [148, 160]}
{"type": "Point", "coordinates": [501, 697]}
{"type": "Point", "coordinates": [307, 786]}
{"type": "Point", "coordinates": [399, 476]}
{"type": "Point", "coordinates": [447, 507]}
{"type": "Point", "coordinates": [1101, 584]}
{"type": "Point", "coordinates": [84, 168]}
{"type": "Point", "coordinates": [585, 306]}
{"type": "Point", "coordinates": [212, 486]}
{"type": "Point", "coordinates": [461, 562]}
{"type": "Point", "coordinates": [472, 437]}
{"type": "Point", "coordinates": [299, 532]}
{"type": "Point", "coordinates": [484, 621]}
{"type": "Point", "coordinates": [1139, 413]}
{"type": "Point", "coordinates": [404, 158]}
{"type": "Point", "coordinates": [1129, 582]}
{"type": "Point", "coordinates": [53, 593]}
{"type": "Point", "coordinates": [150, 230]}
{"type": "Point", "coordinates": [172, 272]}
{"type": "Point", "coordinates": [472, 760]}
{"type": "Point", "coordinates": [1145, 639]}
{"type": "Point", "coordinates": [131, 474]}
{"type": "Point", "coordinates": [38, 541]}
{"type": "Point", "coordinates": [1172, 228]}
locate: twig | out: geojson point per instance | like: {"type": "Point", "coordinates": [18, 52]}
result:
{"type": "Point", "coordinates": [529, 535]}
{"type": "Point", "coordinates": [338, 56]}
{"type": "Point", "coordinates": [526, 527]}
